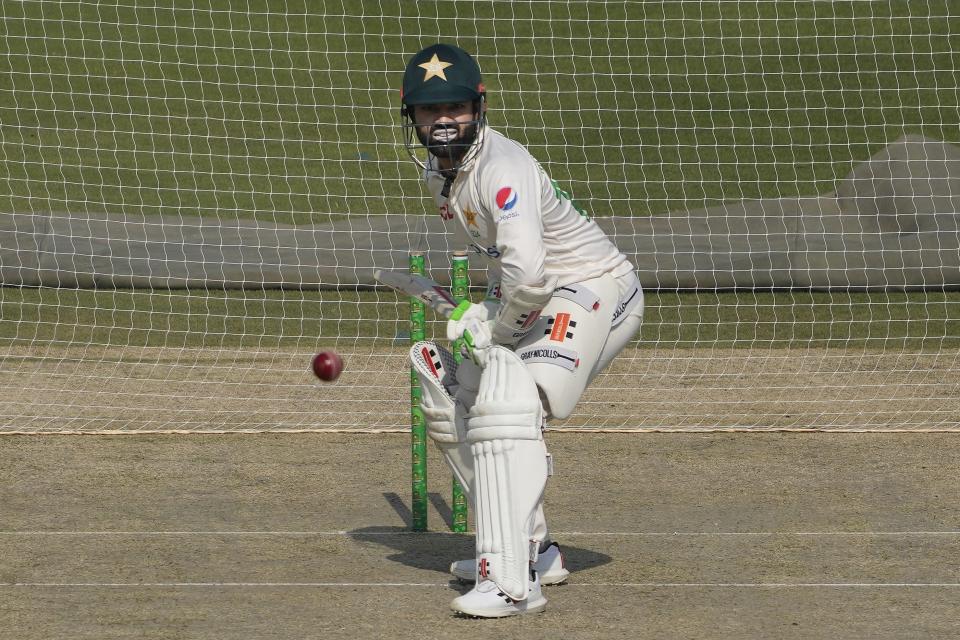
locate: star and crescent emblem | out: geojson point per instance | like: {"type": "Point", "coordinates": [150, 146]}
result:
{"type": "Point", "coordinates": [471, 217]}
{"type": "Point", "coordinates": [434, 68]}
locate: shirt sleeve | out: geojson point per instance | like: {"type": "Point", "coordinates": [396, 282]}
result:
{"type": "Point", "coordinates": [512, 197]}
{"type": "Point", "coordinates": [494, 281]}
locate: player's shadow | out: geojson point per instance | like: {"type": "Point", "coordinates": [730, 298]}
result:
{"type": "Point", "coordinates": [435, 550]}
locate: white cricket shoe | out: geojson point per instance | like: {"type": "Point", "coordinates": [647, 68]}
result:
{"type": "Point", "coordinates": [549, 567]}
{"type": "Point", "coordinates": [486, 600]}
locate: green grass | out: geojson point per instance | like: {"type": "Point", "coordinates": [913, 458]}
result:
{"type": "Point", "coordinates": [287, 111]}
{"type": "Point", "coordinates": [287, 319]}
{"type": "Point", "coordinates": [801, 319]}
{"type": "Point", "coordinates": [185, 319]}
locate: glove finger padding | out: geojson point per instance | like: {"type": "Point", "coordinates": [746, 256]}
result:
{"type": "Point", "coordinates": [463, 317]}
{"type": "Point", "coordinates": [469, 329]}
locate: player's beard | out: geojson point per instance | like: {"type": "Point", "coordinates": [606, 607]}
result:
{"type": "Point", "coordinates": [444, 141]}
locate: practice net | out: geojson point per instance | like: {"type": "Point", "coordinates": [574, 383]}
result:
{"type": "Point", "coordinates": [194, 199]}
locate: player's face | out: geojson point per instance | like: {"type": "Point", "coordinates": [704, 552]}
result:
{"type": "Point", "coordinates": [443, 123]}
{"type": "Point", "coordinates": [446, 129]}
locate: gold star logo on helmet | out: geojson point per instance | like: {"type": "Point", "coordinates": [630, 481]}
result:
{"type": "Point", "coordinates": [434, 68]}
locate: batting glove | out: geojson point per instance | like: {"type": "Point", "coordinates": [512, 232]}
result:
{"type": "Point", "coordinates": [468, 323]}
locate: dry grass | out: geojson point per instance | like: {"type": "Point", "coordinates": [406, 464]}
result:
{"type": "Point", "coordinates": [104, 389]}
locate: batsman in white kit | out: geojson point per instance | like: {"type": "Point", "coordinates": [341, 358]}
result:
{"type": "Point", "coordinates": [561, 302]}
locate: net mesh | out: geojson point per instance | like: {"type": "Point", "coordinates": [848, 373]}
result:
{"type": "Point", "coordinates": [193, 200]}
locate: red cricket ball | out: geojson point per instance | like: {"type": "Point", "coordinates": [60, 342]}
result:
{"type": "Point", "coordinates": [327, 365]}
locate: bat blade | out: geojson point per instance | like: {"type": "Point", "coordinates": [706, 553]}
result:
{"type": "Point", "coordinates": [435, 296]}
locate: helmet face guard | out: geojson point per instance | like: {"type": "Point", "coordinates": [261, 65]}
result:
{"type": "Point", "coordinates": [454, 142]}
{"type": "Point", "coordinates": [442, 74]}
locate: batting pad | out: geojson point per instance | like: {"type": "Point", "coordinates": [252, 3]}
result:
{"type": "Point", "coordinates": [508, 401]}
{"type": "Point", "coordinates": [511, 476]}
{"type": "Point", "coordinates": [442, 413]}
{"type": "Point", "coordinates": [510, 463]}
{"type": "Point", "coordinates": [436, 368]}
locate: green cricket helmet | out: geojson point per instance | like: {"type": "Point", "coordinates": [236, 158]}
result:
{"type": "Point", "coordinates": [439, 74]}
{"type": "Point", "coordinates": [443, 74]}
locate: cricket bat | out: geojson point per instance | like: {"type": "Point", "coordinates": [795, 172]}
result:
{"type": "Point", "coordinates": [435, 296]}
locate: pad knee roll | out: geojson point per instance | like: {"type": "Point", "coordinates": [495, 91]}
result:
{"type": "Point", "coordinates": [508, 401]}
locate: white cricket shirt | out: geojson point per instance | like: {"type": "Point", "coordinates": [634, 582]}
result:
{"type": "Point", "coordinates": [503, 206]}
